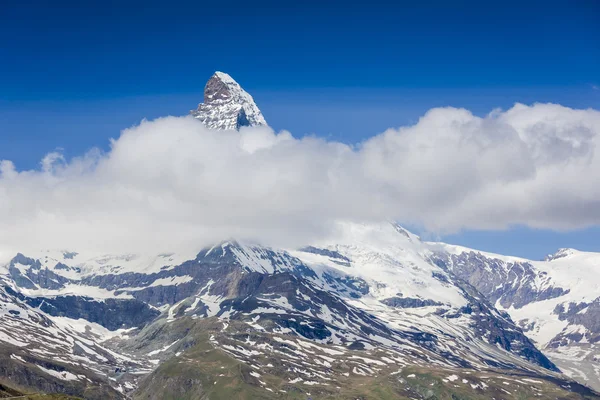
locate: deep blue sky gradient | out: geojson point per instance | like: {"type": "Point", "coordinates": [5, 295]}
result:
{"type": "Point", "coordinates": [73, 74]}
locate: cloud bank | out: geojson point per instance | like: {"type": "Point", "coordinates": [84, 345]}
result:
{"type": "Point", "coordinates": [171, 182]}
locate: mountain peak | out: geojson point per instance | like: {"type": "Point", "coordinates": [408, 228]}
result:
{"type": "Point", "coordinates": [226, 105]}
{"type": "Point", "coordinates": [221, 87]}
{"type": "Point", "coordinates": [561, 253]}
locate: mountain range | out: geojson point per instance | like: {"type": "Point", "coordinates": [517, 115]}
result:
{"type": "Point", "coordinates": [373, 312]}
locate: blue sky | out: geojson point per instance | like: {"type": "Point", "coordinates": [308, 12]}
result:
{"type": "Point", "coordinates": [75, 73]}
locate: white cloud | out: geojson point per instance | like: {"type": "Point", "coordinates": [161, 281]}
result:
{"type": "Point", "coordinates": [171, 182]}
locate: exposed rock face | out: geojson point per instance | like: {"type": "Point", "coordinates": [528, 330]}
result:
{"type": "Point", "coordinates": [585, 317]}
{"type": "Point", "coordinates": [35, 275]}
{"type": "Point", "coordinates": [511, 284]}
{"type": "Point", "coordinates": [110, 313]}
{"type": "Point", "coordinates": [227, 106]}
{"type": "Point", "coordinates": [408, 302]}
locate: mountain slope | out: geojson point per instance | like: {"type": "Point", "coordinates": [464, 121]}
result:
{"type": "Point", "coordinates": [225, 360]}
{"type": "Point", "coordinates": [555, 301]}
{"type": "Point", "coordinates": [42, 353]}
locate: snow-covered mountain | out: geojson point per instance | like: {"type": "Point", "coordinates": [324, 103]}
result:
{"type": "Point", "coordinates": [376, 290]}
{"type": "Point", "coordinates": [371, 312]}
{"type": "Point", "coordinates": [556, 301]}
{"type": "Point", "coordinates": [226, 105]}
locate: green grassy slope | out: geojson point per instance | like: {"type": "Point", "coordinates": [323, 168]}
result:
{"type": "Point", "coordinates": [206, 371]}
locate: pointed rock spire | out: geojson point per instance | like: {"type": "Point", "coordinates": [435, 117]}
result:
{"type": "Point", "coordinates": [226, 105]}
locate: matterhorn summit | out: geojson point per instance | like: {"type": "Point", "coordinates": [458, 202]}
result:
{"type": "Point", "coordinates": [226, 105]}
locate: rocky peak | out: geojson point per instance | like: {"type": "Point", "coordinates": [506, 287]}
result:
{"type": "Point", "coordinates": [220, 88]}
{"type": "Point", "coordinates": [226, 105]}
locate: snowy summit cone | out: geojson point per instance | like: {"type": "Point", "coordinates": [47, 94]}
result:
{"type": "Point", "coordinates": [226, 105]}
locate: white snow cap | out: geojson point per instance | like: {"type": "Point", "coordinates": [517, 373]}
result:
{"type": "Point", "coordinates": [226, 78]}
